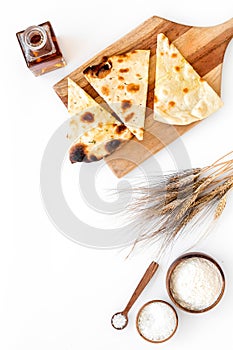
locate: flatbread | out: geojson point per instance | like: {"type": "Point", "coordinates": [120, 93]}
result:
{"type": "Point", "coordinates": [86, 113]}
{"type": "Point", "coordinates": [95, 131]}
{"type": "Point", "coordinates": [122, 81]}
{"type": "Point", "coordinates": [181, 95]}
{"type": "Point", "coordinates": [99, 142]}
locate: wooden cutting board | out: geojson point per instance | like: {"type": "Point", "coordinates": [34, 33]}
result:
{"type": "Point", "coordinates": [203, 47]}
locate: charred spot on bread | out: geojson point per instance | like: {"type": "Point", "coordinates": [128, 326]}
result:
{"type": "Point", "coordinates": [87, 117]}
{"type": "Point", "coordinates": [105, 90]}
{"type": "Point", "coordinates": [112, 145]}
{"type": "Point", "coordinates": [129, 117]}
{"type": "Point", "coordinates": [174, 55]}
{"type": "Point", "coordinates": [77, 153]}
{"type": "Point", "coordinates": [120, 128]}
{"type": "Point", "coordinates": [121, 87]}
{"type": "Point", "coordinates": [185, 90]}
{"type": "Point", "coordinates": [125, 55]}
{"type": "Point", "coordinates": [92, 158]}
{"type": "Point", "coordinates": [120, 60]}
{"type": "Point", "coordinates": [125, 104]}
{"type": "Point", "coordinates": [121, 78]}
{"type": "Point", "coordinates": [163, 37]}
{"type": "Point", "coordinates": [177, 68]}
{"type": "Point", "coordinates": [171, 103]}
{"type": "Point", "coordinates": [124, 70]}
{"type": "Point", "coordinates": [99, 70]}
{"type": "Point", "coordinates": [133, 88]}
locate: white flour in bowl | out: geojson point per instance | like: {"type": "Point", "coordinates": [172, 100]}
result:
{"type": "Point", "coordinates": [196, 283]}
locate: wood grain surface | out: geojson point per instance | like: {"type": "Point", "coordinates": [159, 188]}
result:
{"type": "Point", "coordinates": [203, 47]}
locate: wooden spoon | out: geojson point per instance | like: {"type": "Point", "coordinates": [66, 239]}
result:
{"type": "Point", "coordinates": [123, 315]}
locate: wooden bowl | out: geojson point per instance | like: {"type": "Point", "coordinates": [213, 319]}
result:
{"type": "Point", "coordinates": [176, 263]}
{"type": "Point", "coordinates": [138, 315]}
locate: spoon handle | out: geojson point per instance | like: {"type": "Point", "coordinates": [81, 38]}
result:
{"type": "Point", "coordinates": [152, 268]}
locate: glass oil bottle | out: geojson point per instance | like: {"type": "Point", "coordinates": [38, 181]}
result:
{"type": "Point", "coordinates": [40, 48]}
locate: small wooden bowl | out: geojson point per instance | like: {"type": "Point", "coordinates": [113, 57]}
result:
{"type": "Point", "coordinates": [176, 263]}
{"type": "Point", "coordinates": [138, 315]}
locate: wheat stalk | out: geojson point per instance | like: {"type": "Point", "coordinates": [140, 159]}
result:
{"type": "Point", "coordinates": [220, 207]}
{"type": "Point", "coordinates": [163, 209]}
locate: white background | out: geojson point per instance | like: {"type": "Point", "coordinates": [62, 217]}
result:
{"type": "Point", "coordinates": [55, 294]}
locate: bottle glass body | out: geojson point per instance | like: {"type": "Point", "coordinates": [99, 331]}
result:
{"type": "Point", "coordinates": [40, 48]}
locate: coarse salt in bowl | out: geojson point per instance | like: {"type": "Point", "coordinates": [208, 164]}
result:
{"type": "Point", "coordinates": [157, 321]}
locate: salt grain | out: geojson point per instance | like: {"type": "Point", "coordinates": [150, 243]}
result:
{"type": "Point", "coordinates": [196, 283]}
{"type": "Point", "coordinates": [157, 321]}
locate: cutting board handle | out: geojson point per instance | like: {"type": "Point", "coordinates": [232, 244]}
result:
{"type": "Point", "coordinates": [224, 33]}
{"type": "Point", "coordinates": [223, 27]}
{"type": "Point", "coordinates": [229, 26]}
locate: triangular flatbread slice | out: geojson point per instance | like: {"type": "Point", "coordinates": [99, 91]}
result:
{"type": "Point", "coordinates": [86, 113]}
{"type": "Point", "coordinates": [122, 81]}
{"type": "Point", "coordinates": [181, 95]}
{"type": "Point", "coordinates": [95, 131]}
